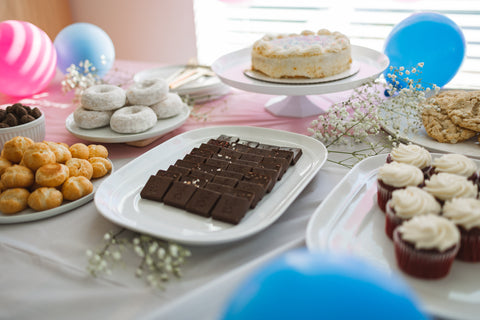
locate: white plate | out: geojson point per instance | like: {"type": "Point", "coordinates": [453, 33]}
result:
{"type": "Point", "coordinates": [230, 69]}
{"type": "Point", "coordinates": [349, 220]}
{"type": "Point", "coordinates": [107, 135]}
{"type": "Point", "coordinates": [469, 147]}
{"type": "Point", "coordinates": [354, 68]}
{"type": "Point", "coordinates": [202, 84]}
{"type": "Point", "coordinates": [118, 198]}
{"type": "Point", "coordinates": [28, 215]}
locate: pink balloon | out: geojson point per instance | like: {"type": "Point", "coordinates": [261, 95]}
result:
{"type": "Point", "coordinates": [27, 58]}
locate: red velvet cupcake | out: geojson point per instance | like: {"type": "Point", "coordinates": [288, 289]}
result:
{"type": "Point", "coordinates": [412, 154]}
{"type": "Point", "coordinates": [456, 164]}
{"type": "Point", "coordinates": [406, 204]}
{"type": "Point", "coordinates": [393, 176]}
{"type": "Point", "coordinates": [426, 246]}
{"type": "Point", "coordinates": [465, 213]}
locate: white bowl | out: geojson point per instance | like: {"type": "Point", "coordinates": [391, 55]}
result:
{"type": "Point", "coordinates": [34, 130]}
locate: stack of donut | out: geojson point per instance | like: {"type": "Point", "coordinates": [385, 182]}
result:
{"type": "Point", "coordinates": [132, 111]}
{"type": "Point", "coordinates": [42, 175]}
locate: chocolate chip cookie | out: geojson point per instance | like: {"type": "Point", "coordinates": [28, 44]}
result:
{"type": "Point", "coordinates": [465, 110]}
{"type": "Point", "coordinates": [437, 122]}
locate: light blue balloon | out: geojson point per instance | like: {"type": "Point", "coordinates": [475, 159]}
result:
{"type": "Point", "coordinates": [305, 285]}
{"type": "Point", "coordinates": [84, 41]}
{"type": "Point", "coordinates": [431, 38]}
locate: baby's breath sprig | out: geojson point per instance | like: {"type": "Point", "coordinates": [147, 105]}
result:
{"type": "Point", "coordinates": [79, 78]}
{"type": "Point", "coordinates": [358, 120]}
{"type": "Point", "coordinates": [352, 121]}
{"type": "Point", "coordinates": [159, 259]}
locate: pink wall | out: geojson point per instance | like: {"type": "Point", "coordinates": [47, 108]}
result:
{"type": "Point", "coordinates": [145, 30]}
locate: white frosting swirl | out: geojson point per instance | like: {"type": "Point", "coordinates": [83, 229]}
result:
{"type": "Point", "coordinates": [463, 212]}
{"type": "Point", "coordinates": [445, 186]}
{"type": "Point", "coordinates": [412, 154]}
{"type": "Point", "coordinates": [413, 201]}
{"type": "Point", "coordinates": [400, 174]}
{"type": "Point", "coordinates": [430, 232]}
{"type": "Point", "coordinates": [455, 163]}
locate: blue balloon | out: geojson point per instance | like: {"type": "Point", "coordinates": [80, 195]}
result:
{"type": "Point", "coordinates": [305, 285]}
{"type": "Point", "coordinates": [430, 38]}
{"type": "Point", "coordinates": [84, 41]}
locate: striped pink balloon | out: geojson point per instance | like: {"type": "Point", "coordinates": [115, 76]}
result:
{"type": "Point", "coordinates": [27, 58]}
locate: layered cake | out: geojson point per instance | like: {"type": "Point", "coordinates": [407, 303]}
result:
{"type": "Point", "coordinates": [306, 55]}
{"type": "Point", "coordinates": [221, 178]}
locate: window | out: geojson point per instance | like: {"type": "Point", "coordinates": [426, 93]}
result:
{"type": "Point", "coordinates": [223, 26]}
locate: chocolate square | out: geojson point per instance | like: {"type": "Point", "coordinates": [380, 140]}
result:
{"type": "Point", "coordinates": [230, 209]}
{"type": "Point", "coordinates": [170, 174]}
{"type": "Point", "coordinates": [266, 146]}
{"type": "Point", "coordinates": [210, 147]}
{"type": "Point", "coordinates": [156, 187]}
{"type": "Point", "coordinates": [229, 154]}
{"type": "Point", "coordinates": [218, 187]}
{"type": "Point", "coordinates": [185, 164]}
{"type": "Point", "coordinates": [260, 179]}
{"type": "Point", "coordinates": [208, 168]}
{"type": "Point", "coordinates": [194, 158]}
{"type": "Point", "coordinates": [263, 152]}
{"type": "Point", "coordinates": [279, 164]}
{"type": "Point", "coordinates": [297, 153]}
{"type": "Point", "coordinates": [179, 194]}
{"type": "Point", "coordinates": [203, 153]}
{"type": "Point", "coordinates": [245, 162]}
{"type": "Point", "coordinates": [243, 194]}
{"type": "Point", "coordinates": [194, 181]}
{"type": "Point", "coordinates": [201, 175]}
{"type": "Point", "coordinates": [243, 169]}
{"type": "Point", "coordinates": [231, 174]}
{"type": "Point", "coordinates": [227, 181]}
{"type": "Point", "coordinates": [251, 157]}
{"type": "Point", "coordinates": [274, 175]}
{"type": "Point", "coordinates": [222, 164]}
{"type": "Point", "coordinates": [180, 170]}
{"type": "Point", "coordinates": [224, 137]}
{"type": "Point", "coordinates": [248, 143]}
{"type": "Point", "coordinates": [202, 202]}
{"type": "Point", "coordinates": [286, 154]}
{"type": "Point", "coordinates": [241, 147]}
{"type": "Point", "coordinates": [219, 143]}
{"type": "Point", "coordinates": [257, 190]}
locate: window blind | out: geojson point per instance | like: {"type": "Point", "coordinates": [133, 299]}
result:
{"type": "Point", "coordinates": [229, 25]}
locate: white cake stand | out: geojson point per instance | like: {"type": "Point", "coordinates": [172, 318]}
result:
{"type": "Point", "coordinates": [293, 100]}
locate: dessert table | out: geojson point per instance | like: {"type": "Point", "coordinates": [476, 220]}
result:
{"type": "Point", "coordinates": [43, 269]}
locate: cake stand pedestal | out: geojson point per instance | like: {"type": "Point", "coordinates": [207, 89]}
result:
{"type": "Point", "coordinates": [293, 100]}
{"type": "Point", "coordinates": [293, 106]}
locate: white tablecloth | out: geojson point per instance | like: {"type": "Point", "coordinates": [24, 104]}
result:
{"type": "Point", "coordinates": [43, 266]}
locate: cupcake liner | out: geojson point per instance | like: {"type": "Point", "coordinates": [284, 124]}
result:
{"type": "Point", "coordinates": [424, 264]}
{"type": "Point", "coordinates": [392, 221]}
{"type": "Point", "coordinates": [469, 245]}
{"type": "Point", "coordinates": [384, 193]}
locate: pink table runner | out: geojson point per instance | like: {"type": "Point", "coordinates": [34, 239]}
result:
{"type": "Point", "coordinates": [236, 108]}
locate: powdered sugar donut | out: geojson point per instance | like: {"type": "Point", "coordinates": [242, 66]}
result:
{"type": "Point", "coordinates": [91, 119]}
{"type": "Point", "coordinates": [168, 107]}
{"type": "Point", "coordinates": [103, 97]}
{"type": "Point", "coordinates": [147, 92]}
{"type": "Point", "coordinates": [133, 119]}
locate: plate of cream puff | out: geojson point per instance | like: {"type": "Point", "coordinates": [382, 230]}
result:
{"type": "Point", "coordinates": [39, 180]}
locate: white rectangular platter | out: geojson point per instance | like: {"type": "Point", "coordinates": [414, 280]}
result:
{"type": "Point", "coordinates": [118, 198]}
{"type": "Point", "coordinates": [349, 220]}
